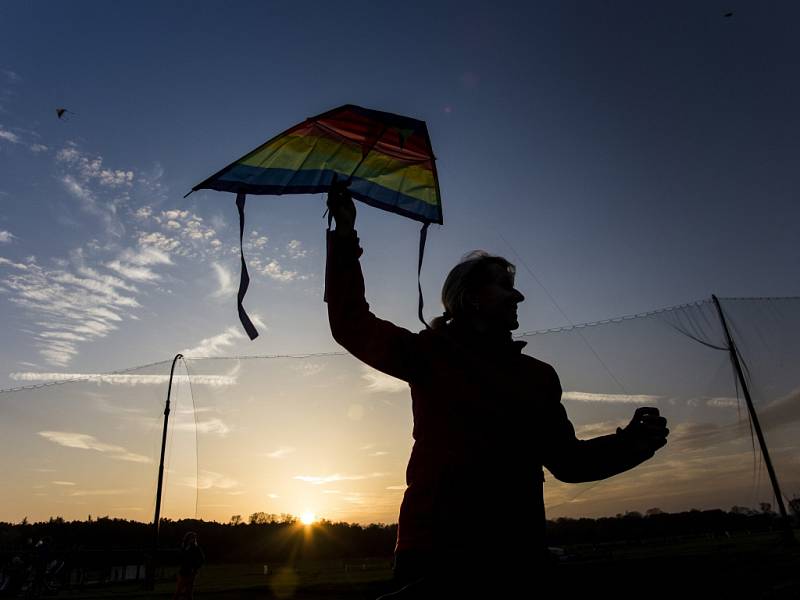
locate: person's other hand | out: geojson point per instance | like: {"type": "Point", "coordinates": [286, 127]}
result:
{"type": "Point", "coordinates": [342, 207]}
{"type": "Point", "coordinates": [647, 431]}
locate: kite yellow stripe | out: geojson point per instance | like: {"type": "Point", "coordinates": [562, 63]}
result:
{"type": "Point", "coordinates": [306, 152]}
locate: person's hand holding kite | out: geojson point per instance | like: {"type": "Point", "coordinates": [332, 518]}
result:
{"type": "Point", "coordinates": [342, 208]}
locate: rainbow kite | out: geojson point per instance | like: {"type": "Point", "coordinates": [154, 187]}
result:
{"type": "Point", "coordinates": [386, 159]}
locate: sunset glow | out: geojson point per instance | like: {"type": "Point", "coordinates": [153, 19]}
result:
{"type": "Point", "coordinates": [308, 518]}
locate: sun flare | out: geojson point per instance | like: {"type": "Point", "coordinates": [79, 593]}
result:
{"type": "Point", "coordinates": [308, 518]}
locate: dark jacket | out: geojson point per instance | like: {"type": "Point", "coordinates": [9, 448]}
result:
{"type": "Point", "coordinates": [486, 419]}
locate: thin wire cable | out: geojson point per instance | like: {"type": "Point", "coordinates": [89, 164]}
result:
{"type": "Point", "coordinates": [196, 439]}
{"type": "Point", "coordinates": [613, 320]}
{"type": "Point", "coordinates": [564, 314]}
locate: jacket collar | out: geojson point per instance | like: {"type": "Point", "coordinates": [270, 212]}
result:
{"type": "Point", "coordinates": [494, 341]}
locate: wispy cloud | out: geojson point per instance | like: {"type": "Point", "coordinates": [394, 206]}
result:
{"type": "Point", "coordinates": [323, 479]}
{"type": "Point", "coordinates": [273, 269]}
{"type": "Point", "coordinates": [214, 426]}
{"type": "Point", "coordinates": [378, 382]}
{"type": "Point", "coordinates": [225, 284]}
{"type": "Point", "coordinates": [8, 263]}
{"type": "Point", "coordinates": [101, 191]}
{"type": "Point", "coordinates": [308, 369]}
{"type": "Point", "coordinates": [102, 492]}
{"type": "Point", "coordinates": [207, 480]}
{"type": "Point", "coordinates": [281, 452]}
{"type": "Point", "coordinates": [84, 441]}
{"type": "Point", "coordinates": [91, 168]}
{"type": "Point", "coordinates": [63, 483]}
{"type": "Point", "coordinates": [128, 379]}
{"type": "Point", "coordinates": [6, 236]}
{"type": "Point", "coordinates": [73, 305]}
{"type": "Point", "coordinates": [136, 264]}
{"type": "Point", "coordinates": [618, 398]}
{"type": "Point", "coordinates": [10, 76]}
{"type": "Point", "coordinates": [215, 344]}
{"type": "Point", "coordinates": [9, 136]}
{"type": "Point", "coordinates": [295, 249]}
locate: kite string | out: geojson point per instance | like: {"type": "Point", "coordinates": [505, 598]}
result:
{"type": "Point", "coordinates": [564, 314]}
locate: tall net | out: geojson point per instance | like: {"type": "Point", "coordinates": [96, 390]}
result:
{"type": "Point", "coordinates": [251, 437]}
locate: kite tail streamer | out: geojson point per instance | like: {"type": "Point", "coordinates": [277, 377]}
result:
{"type": "Point", "coordinates": [244, 280]}
{"type": "Point", "coordinates": [423, 236]}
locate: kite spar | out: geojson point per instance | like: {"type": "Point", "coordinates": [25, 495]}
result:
{"type": "Point", "coordinates": [386, 160]}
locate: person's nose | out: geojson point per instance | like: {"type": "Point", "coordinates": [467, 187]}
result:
{"type": "Point", "coordinates": [518, 297]}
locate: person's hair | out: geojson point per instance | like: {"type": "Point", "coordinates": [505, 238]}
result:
{"type": "Point", "coordinates": [468, 276]}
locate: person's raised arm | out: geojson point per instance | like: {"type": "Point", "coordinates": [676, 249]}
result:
{"type": "Point", "coordinates": [379, 343]}
{"type": "Point", "coordinates": [575, 461]}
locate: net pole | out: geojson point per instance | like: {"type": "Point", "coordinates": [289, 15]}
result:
{"type": "Point", "coordinates": [151, 575]}
{"type": "Point", "coordinates": [732, 349]}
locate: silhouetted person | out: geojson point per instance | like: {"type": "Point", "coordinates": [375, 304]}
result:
{"type": "Point", "coordinates": [486, 419]}
{"type": "Point", "coordinates": [192, 558]}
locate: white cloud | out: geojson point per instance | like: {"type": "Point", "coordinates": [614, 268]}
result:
{"type": "Point", "coordinates": [79, 191]}
{"type": "Point", "coordinates": [84, 441]}
{"type": "Point", "coordinates": [73, 306]}
{"type": "Point", "coordinates": [135, 264]}
{"type": "Point", "coordinates": [215, 344]}
{"type": "Point", "coordinates": [308, 369]}
{"type": "Point", "coordinates": [281, 452]}
{"type": "Point", "coordinates": [63, 483]}
{"type": "Point", "coordinates": [9, 136]}
{"type": "Point", "coordinates": [621, 398]}
{"type": "Point", "coordinates": [378, 382]}
{"type": "Point", "coordinates": [158, 240]}
{"type": "Point", "coordinates": [91, 168]}
{"type": "Point", "coordinates": [6, 236]}
{"type": "Point", "coordinates": [723, 402]}
{"type": "Point", "coordinates": [295, 249]}
{"type": "Point", "coordinates": [10, 76]}
{"type": "Point", "coordinates": [37, 148]}
{"type": "Point", "coordinates": [274, 270]}
{"type": "Point", "coordinates": [129, 379]}
{"type": "Point", "coordinates": [102, 492]}
{"type": "Point", "coordinates": [20, 266]}
{"type": "Point", "coordinates": [225, 284]}
{"type": "Point", "coordinates": [323, 479]}
{"type": "Point", "coordinates": [143, 212]}
{"type": "Point", "coordinates": [210, 480]}
{"type": "Point", "coordinates": [175, 214]}
{"type": "Point", "coordinates": [215, 426]}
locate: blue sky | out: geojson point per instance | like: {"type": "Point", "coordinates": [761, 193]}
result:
{"type": "Point", "coordinates": [631, 155]}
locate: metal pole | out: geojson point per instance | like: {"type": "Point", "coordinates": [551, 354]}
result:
{"type": "Point", "coordinates": [150, 576]}
{"type": "Point", "coordinates": [754, 419]}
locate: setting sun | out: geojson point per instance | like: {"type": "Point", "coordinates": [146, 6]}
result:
{"type": "Point", "coordinates": [308, 518]}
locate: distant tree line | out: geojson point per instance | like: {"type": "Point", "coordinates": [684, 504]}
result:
{"type": "Point", "coordinates": [266, 537]}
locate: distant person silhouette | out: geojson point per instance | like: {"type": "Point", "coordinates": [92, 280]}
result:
{"type": "Point", "coordinates": [486, 419]}
{"type": "Point", "coordinates": [192, 558]}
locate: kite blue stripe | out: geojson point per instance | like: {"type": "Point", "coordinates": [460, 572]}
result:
{"type": "Point", "coordinates": [257, 180]}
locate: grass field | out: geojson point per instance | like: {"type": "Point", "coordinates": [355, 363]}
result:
{"type": "Point", "coordinates": [755, 566]}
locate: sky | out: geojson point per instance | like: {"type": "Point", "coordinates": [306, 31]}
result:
{"type": "Point", "coordinates": [626, 156]}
